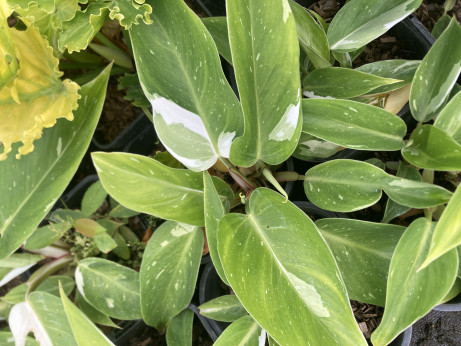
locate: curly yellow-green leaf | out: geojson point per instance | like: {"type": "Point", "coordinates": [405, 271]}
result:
{"type": "Point", "coordinates": [8, 64]}
{"type": "Point", "coordinates": [37, 97]}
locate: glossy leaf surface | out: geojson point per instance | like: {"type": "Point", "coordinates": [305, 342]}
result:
{"type": "Point", "coordinates": [278, 265]}
{"type": "Point", "coordinates": [265, 53]}
{"type": "Point", "coordinates": [432, 148]}
{"type": "Point", "coordinates": [92, 313]}
{"type": "Point", "coordinates": [363, 252]}
{"type": "Point", "coordinates": [169, 271]}
{"type": "Point", "coordinates": [449, 119]}
{"type": "Point", "coordinates": [341, 83]}
{"type": "Point", "coordinates": [437, 74]}
{"type": "Point", "coordinates": [310, 147]}
{"type": "Point", "coordinates": [245, 332]}
{"type": "Point", "coordinates": [217, 26]}
{"type": "Point", "coordinates": [225, 308]}
{"type": "Point", "coordinates": [196, 113]}
{"type": "Point", "coordinates": [44, 315]}
{"type": "Point", "coordinates": [423, 289]}
{"type": "Point", "coordinates": [447, 234]}
{"type": "Point", "coordinates": [111, 288]}
{"type": "Point", "coordinates": [361, 21]}
{"type": "Point", "coordinates": [85, 332]}
{"type": "Point", "coordinates": [396, 69]}
{"type": "Point", "coordinates": [179, 332]}
{"type": "Point", "coordinates": [353, 125]}
{"type": "Point", "coordinates": [94, 196]}
{"type": "Point", "coordinates": [168, 193]}
{"type": "Point", "coordinates": [214, 211]}
{"type": "Point", "coordinates": [32, 185]}
{"type": "Point", "coordinates": [311, 36]}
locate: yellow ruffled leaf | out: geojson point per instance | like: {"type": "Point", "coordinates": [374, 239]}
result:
{"type": "Point", "coordinates": [8, 64]}
{"type": "Point", "coordinates": [37, 97]}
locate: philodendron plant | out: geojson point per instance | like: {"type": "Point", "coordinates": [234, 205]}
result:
{"type": "Point", "coordinates": [292, 278]}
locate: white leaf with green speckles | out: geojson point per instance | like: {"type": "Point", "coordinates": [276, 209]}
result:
{"type": "Point", "coordinates": [265, 54]}
{"type": "Point", "coordinates": [169, 271]}
{"type": "Point", "coordinates": [111, 288]}
{"type": "Point", "coordinates": [168, 193]}
{"type": "Point", "coordinates": [196, 113]}
{"type": "Point", "coordinates": [284, 274]}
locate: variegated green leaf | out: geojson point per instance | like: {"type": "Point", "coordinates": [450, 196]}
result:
{"type": "Point", "coordinates": [224, 308]}
{"type": "Point", "coordinates": [168, 193]}
{"type": "Point", "coordinates": [447, 234]}
{"type": "Point", "coordinates": [284, 274]}
{"type": "Point", "coordinates": [214, 211]}
{"type": "Point", "coordinates": [217, 26]}
{"type": "Point", "coordinates": [93, 198]}
{"type": "Point", "coordinates": [423, 288]}
{"type": "Point", "coordinates": [403, 70]}
{"type": "Point", "coordinates": [169, 271]}
{"type": "Point", "coordinates": [312, 38]}
{"type": "Point", "coordinates": [341, 83]}
{"type": "Point", "coordinates": [353, 125]}
{"type": "Point", "coordinates": [243, 332]}
{"type": "Point", "coordinates": [361, 21]}
{"type": "Point", "coordinates": [265, 54]}
{"type": "Point", "coordinates": [44, 315]}
{"type": "Point", "coordinates": [7, 339]}
{"type": "Point", "coordinates": [311, 147]}
{"type": "Point", "coordinates": [92, 313]}
{"type": "Point", "coordinates": [449, 119]}
{"type": "Point", "coordinates": [431, 148]}
{"type": "Point", "coordinates": [85, 332]}
{"type": "Point", "coordinates": [9, 65]}
{"type": "Point", "coordinates": [110, 287]}
{"type": "Point", "coordinates": [196, 113]}
{"type": "Point", "coordinates": [393, 209]}
{"type": "Point", "coordinates": [437, 74]}
{"type": "Point", "coordinates": [348, 185]}
{"type": "Point", "coordinates": [363, 252]}
{"type": "Point", "coordinates": [179, 331]}
{"type": "Point", "coordinates": [31, 186]}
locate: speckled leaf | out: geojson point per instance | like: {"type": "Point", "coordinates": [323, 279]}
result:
{"type": "Point", "coordinates": [449, 119]}
{"type": "Point", "coordinates": [310, 147]}
{"type": "Point", "coordinates": [31, 186]}
{"type": "Point", "coordinates": [179, 331]}
{"type": "Point", "coordinates": [168, 193]}
{"type": "Point", "coordinates": [111, 288]}
{"type": "Point", "coordinates": [243, 332]}
{"type": "Point", "coordinates": [363, 252]}
{"type": "Point", "coordinates": [437, 74]}
{"type": "Point", "coordinates": [361, 21]}
{"type": "Point", "coordinates": [214, 211]}
{"type": "Point", "coordinates": [344, 185]}
{"type": "Point", "coordinates": [393, 209]}
{"type": "Point", "coordinates": [312, 38]}
{"type": "Point", "coordinates": [341, 83]}
{"type": "Point", "coordinates": [431, 148]}
{"type": "Point", "coordinates": [423, 289]}
{"type": "Point", "coordinates": [169, 271]}
{"type": "Point", "coordinates": [217, 26]}
{"type": "Point", "coordinates": [348, 185]}
{"type": "Point", "coordinates": [44, 315]}
{"type": "Point", "coordinates": [397, 69]}
{"type": "Point", "coordinates": [447, 234]}
{"type": "Point", "coordinates": [353, 125]}
{"type": "Point", "coordinates": [85, 332]}
{"type": "Point", "coordinates": [93, 314]}
{"type": "Point", "coordinates": [284, 274]}
{"type": "Point", "coordinates": [196, 113]}
{"type": "Point", "coordinates": [224, 308]}
{"type": "Point", "coordinates": [93, 198]}
{"type": "Point", "coordinates": [265, 53]}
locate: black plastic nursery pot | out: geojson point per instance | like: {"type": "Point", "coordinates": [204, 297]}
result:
{"type": "Point", "coordinates": [138, 138]}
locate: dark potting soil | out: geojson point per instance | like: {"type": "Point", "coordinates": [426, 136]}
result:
{"type": "Point", "coordinates": [367, 316]}
{"type": "Point", "coordinates": [431, 10]}
{"type": "Point", "coordinates": [438, 328]}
